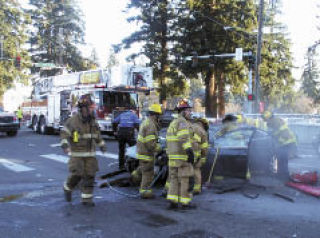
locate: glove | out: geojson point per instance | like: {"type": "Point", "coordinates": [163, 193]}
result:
{"type": "Point", "coordinates": [190, 154]}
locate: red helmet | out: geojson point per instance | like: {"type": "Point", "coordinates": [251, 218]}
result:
{"type": "Point", "coordinates": [183, 104]}
{"type": "Point", "coordinates": [85, 100]}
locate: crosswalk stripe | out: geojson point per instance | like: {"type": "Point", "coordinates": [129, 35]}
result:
{"type": "Point", "coordinates": [14, 166]}
{"type": "Point", "coordinates": [65, 159]}
{"type": "Point", "coordinates": [55, 145]}
{"type": "Point", "coordinates": [59, 158]}
{"type": "Point", "coordinates": [108, 155]}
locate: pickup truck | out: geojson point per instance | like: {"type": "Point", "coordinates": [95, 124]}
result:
{"type": "Point", "coordinates": [8, 123]}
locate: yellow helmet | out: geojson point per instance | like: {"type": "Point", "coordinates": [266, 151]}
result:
{"type": "Point", "coordinates": [267, 115]}
{"type": "Point", "coordinates": [156, 108]}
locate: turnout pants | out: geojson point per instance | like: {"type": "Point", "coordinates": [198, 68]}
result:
{"type": "Point", "coordinates": [197, 177]}
{"type": "Point", "coordinates": [147, 176]}
{"type": "Point", "coordinates": [179, 189]}
{"type": "Point", "coordinates": [82, 169]}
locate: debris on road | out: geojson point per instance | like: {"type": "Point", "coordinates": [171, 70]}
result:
{"type": "Point", "coordinates": [286, 197]}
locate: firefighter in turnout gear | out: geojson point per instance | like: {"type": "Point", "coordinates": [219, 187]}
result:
{"type": "Point", "coordinates": [286, 142]}
{"type": "Point", "coordinates": [229, 123]}
{"type": "Point", "coordinates": [181, 158]}
{"type": "Point", "coordinates": [200, 147]}
{"type": "Point", "coordinates": [79, 138]}
{"type": "Point", "coordinates": [147, 147]}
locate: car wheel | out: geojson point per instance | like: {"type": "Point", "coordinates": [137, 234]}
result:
{"type": "Point", "coordinates": [12, 133]}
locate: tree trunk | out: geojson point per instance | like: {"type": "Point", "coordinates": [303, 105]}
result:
{"type": "Point", "coordinates": [211, 99]}
{"type": "Point", "coordinates": [221, 99]}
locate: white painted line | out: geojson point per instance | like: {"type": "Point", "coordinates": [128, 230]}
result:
{"type": "Point", "coordinates": [55, 145]}
{"type": "Point", "coordinates": [108, 155]}
{"type": "Point", "coordinates": [14, 166]}
{"type": "Point", "coordinates": [59, 158]}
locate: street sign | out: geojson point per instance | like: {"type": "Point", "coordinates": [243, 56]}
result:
{"type": "Point", "coordinates": [45, 65]}
{"type": "Point", "coordinates": [239, 54]}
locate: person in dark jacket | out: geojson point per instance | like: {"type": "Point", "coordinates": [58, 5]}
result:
{"type": "Point", "coordinates": [126, 123]}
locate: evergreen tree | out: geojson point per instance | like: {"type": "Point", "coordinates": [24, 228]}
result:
{"type": "Point", "coordinates": [311, 75]}
{"type": "Point", "coordinates": [156, 34]}
{"type": "Point", "coordinates": [13, 23]}
{"type": "Point", "coordinates": [58, 31]}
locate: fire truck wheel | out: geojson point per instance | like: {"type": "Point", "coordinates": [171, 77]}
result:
{"type": "Point", "coordinates": [35, 124]}
{"type": "Point", "coordinates": [43, 126]}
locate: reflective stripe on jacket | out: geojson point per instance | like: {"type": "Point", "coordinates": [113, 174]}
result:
{"type": "Point", "coordinates": [200, 142]}
{"type": "Point", "coordinates": [82, 138]}
{"type": "Point", "coordinates": [147, 143]}
{"type": "Point", "coordinates": [179, 138]}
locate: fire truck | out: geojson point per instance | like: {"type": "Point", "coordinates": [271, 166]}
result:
{"type": "Point", "coordinates": [53, 99]}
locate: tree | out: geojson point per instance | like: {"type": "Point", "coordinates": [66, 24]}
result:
{"type": "Point", "coordinates": [112, 60]}
{"type": "Point", "coordinates": [156, 34]}
{"type": "Point", "coordinates": [13, 23]}
{"type": "Point", "coordinates": [276, 65]}
{"type": "Point", "coordinates": [203, 27]}
{"type": "Point", "coordinates": [311, 75]}
{"type": "Point", "coordinates": [58, 29]}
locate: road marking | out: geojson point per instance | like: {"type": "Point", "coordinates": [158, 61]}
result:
{"type": "Point", "coordinates": [59, 158]}
{"type": "Point", "coordinates": [55, 145]}
{"type": "Point", "coordinates": [108, 155]}
{"type": "Point", "coordinates": [65, 159]}
{"type": "Point", "coordinates": [14, 166]}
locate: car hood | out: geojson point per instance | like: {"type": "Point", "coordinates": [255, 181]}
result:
{"type": "Point", "coordinates": [6, 114]}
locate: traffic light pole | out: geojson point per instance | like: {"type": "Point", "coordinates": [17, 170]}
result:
{"type": "Point", "coordinates": [258, 56]}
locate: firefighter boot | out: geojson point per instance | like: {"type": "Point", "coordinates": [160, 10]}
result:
{"type": "Point", "coordinates": [88, 202]}
{"type": "Point", "coordinates": [67, 193]}
{"type": "Point", "coordinates": [147, 195]}
{"type": "Point", "coordinates": [188, 206]}
{"type": "Point", "coordinates": [172, 206]}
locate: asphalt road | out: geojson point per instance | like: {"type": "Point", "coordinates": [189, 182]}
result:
{"type": "Point", "coordinates": [33, 168]}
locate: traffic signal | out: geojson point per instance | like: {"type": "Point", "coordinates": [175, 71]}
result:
{"type": "Point", "coordinates": [250, 97]}
{"type": "Point", "coordinates": [17, 62]}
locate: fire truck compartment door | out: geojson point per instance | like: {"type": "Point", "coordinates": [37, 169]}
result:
{"type": "Point", "coordinates": [53, 108]}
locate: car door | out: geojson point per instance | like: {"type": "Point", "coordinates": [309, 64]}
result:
{"type": "Point", "coordinates": [232, 159]}
{"type": "Point", "coordinates": [261, 154]}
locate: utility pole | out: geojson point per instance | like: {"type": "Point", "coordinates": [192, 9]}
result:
{"type": "Point", "coordinates": [258, 56]}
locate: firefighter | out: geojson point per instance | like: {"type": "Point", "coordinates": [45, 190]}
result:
{"type": "Point", "coordinates": [200, 147]}
{"type": "Point", "coordinates": [255, 122]}
{"type": "Point", "coordinates": [286, 143]}
{"type": "Point", "coordinates": [229, 123]}
{"type": "Point", "coordinates": [181, 158]}
{"type": "Point", "coordinates": [19, 115]}
{"type": "Point", "coordinates": [79, 138]}
{"type": "Point", "coordinates": [126, 123]}
{"type": "Point", "coordinates": [147, 147]}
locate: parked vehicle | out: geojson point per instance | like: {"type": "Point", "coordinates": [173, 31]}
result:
{"type": "Point", "coordinates": [8, 123]}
